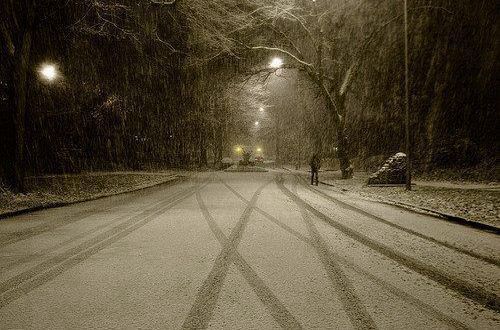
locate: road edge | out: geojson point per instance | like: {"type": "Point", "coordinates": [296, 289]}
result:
{"type": "Point", "coordinates": [437, 214]}
{"type": "Point", "coordinates": [429, 212]}
{"type": "Point", "coordinates": [170, 179]}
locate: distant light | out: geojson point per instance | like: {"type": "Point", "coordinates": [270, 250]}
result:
{"type": "Point", "coordinates": [48, 72]}
{"type": "Point", "coordinates": [276, 63]}
{"type": "Point", "coordinates": [261, 109]}
{"type": "Point", "coordinates": [259, 149]}
{"type": "Point", "coordinates": [256, 123]}
{"type": "Point", "coordinates": [238, 149]}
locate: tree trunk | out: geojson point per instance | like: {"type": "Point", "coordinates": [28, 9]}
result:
{"type": "Point", "coordinates": [337, 109]}
{"type": "Point", "coordinates": [202, 149]}
{"type": "Point", "coordinates": [336, 105]}
{"type": "Point", "coordinates": [219, 146]}
{"type": "Point", "coordinates": [343, 155]}
{"type": "Point", "coordinates": [17, 100]}
{"type": "Point", "coordinates": [219, 139]}
{"type": "Point", "coordinates": [343, 143]}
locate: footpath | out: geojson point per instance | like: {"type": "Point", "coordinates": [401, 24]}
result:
{"type": "Point", "coordinates": [471, 203]}
{"type": "Point", "coordinates": [60, 190]}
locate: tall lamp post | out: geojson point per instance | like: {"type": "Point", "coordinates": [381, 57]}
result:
{"type": "Point", "coordinates": [407, 102]}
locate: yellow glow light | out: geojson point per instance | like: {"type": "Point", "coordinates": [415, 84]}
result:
{"type": "Point", "coordinates": [48, 72]}
{"type": "Point", "coordinates": [276, 63]}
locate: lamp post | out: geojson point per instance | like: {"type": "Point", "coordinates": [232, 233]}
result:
{"type": "Point", "coordinates": [407, 102]}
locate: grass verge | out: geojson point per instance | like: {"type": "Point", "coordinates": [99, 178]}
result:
{"type": "Point", "coordinates": [58, 190]}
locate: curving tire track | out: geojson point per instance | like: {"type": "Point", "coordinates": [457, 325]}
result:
{"type": "Point", "coordinates": [32, 257]}
{"type": "Point", "coordinates": [388, 287]}
{"type": "Point", "coordinates": [63, 221]}
{"type": "Point", "coordinates": [356, 209]}
{"type": "Point", "coordinates": [46, 271]}
{"type": "Point", "coordinates": [274, 306]}
{"type": "Point", "coordinates": [353, 306]}
{"type": "Point", "coordinates": [488, 299]}
{"type": "Point", "coordinates": [202, 309]}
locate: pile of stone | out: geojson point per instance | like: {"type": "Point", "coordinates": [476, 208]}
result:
{"type": "Point", "coordinates": [392, 172]}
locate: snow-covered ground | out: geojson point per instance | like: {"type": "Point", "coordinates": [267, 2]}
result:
{"type": "Point", "coordinates": [57, 189]}
{"type": "Point", "coordinates": [245, 251]}
{"type": "Point", "coordinates": [474, 201]}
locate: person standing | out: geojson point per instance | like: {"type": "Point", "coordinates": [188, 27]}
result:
{"type": "Point", "coordinates": [315, 164]}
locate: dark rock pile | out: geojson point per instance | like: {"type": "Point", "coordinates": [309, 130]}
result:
{"type": "Point", "coordinates": [392, 172]}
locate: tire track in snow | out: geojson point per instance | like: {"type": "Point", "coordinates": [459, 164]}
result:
{"type": "Point", "coordinates": [388, 287]}
{"type": "Point", "coordinates": [46, 271]}
{"type": "Point", "coordinates": [64, 220]}
{"type": "Point", "coordinates": [202, 310]}
{"type": "Point", "coordinates": [351, 207]}
{"type": "Point", "coordinates": [488, 299]}
{"type": "Point", "coordinates": [275, 307]}
{"type": "Point", "coordinates": [353, 306]}
{"type": "Point", "coordinates": [31, 257]}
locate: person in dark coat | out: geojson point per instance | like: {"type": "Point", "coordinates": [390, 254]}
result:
{"type": "Point", "coordinates": [315, 164]}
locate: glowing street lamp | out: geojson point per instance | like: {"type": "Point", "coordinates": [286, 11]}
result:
{"type": "Point", "coordinates": [238, 150]}
{"type": "Point", "coordinates": [48, 72]}
{"type": "Point", "coordinates": [259, 149]}
{"type": "Point", "coordinates": [256, 123]}
{"type": "Point", "coordinates": [276, 63]}
{"type": "Point", "coordinates": [261, 109]}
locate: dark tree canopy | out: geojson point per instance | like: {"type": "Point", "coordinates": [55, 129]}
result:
{"type": "Point", "coordinates": [174, 83]}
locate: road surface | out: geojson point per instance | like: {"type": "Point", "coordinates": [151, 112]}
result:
{"type": "Point", "coordinates": [244, 251]}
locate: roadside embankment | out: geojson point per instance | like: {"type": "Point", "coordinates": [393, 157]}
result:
{"type": "Point", "coordinates": [473, 201]}
{"type": "Point", "coordinates": [59, 190]}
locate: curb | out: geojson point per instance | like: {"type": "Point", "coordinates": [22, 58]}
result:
{"type": "Point", "coordinates": [326, 184]}
{"type": "Point", "coordinates": [437, 214]}
{"type": "Point", "coordinates": [425, 211]}
{"type": "Point", "coordinates": [173, 178]}
{"type": "Point", "coordinates": [442, 215]}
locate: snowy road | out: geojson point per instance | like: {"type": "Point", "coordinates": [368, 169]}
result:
{"type": "Point", "coordinates": [245, 251]}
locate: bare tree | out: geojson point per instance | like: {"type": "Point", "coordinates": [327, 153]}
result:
{"type": "Point", "coordinates": [288, 21]}
{"type": "Point", "coordinates": [304, 32]}
{"type": "Point", "coordinates": [17, 21]}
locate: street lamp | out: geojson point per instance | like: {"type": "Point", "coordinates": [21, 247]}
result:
{"type": "Point", "coordinates": [276, 63]}
{"type": "Point", "coordinates": [256, 123]}
{"type": "Point", "coordinates": [261, 109]}
{"type": "Point", "coordinates": [259, 149]}
{"type": "Point", "coordinates": [48, 72]}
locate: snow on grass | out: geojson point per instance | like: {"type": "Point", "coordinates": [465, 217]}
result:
{"type": "Point", "coordinates": [53, 189]}
{"type": "Point", "coordinates": [471, 200]}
